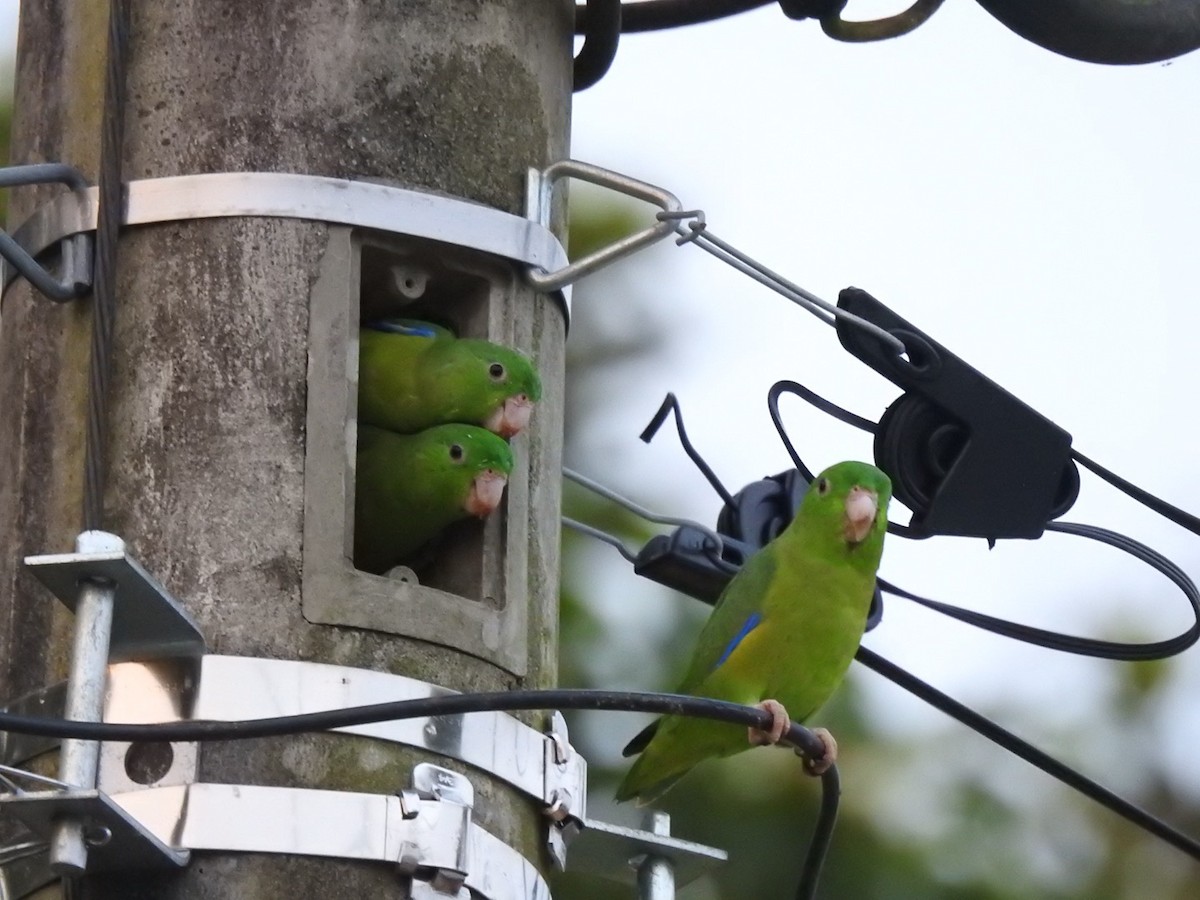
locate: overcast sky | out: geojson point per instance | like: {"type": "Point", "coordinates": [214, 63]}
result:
{"type": "Point", "coordinates": [1034, 214]}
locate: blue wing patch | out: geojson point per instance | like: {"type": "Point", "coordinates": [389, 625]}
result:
{"type": "Point", "coordinates": [751, 623]}
{"type": "Point", "coordinates": [408, 327]}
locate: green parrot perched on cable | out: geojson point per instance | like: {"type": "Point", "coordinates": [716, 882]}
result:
{"type": "Point", "coordinates": [409, 487]}
{"type": "Point", "coordinates": [414, 374]}
{"type": "Point", "coordinates": [783, 631]}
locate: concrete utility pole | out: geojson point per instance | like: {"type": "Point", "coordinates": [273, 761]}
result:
{"type": "Point", "coordinates": [212, 356]}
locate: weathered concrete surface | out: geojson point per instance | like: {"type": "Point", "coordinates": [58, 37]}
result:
{"type": "Point", "coordinates": [208, 407]}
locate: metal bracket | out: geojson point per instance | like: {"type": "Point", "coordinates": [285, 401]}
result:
{"type": "Point", "coordinates": [544, 767]}
{"type": "Point", "coordinates": [565, 792]}
{"type": "Point", "coordinates": [77, 252]}
{"type": "Point", "coordinates": [148, 623]}
{"type": "Point", "coordinates": [116, 605]}
{"type": "Point", "coordinates": [435, 854]}
{"type": "Point", "coordinates": [539, 200]}
{"type": "Point", "coordinates": [652, 859]}
{"type": "Point", "coordinates": [115, 839]}
{"type": "Point", "coordinates": [238, 687]}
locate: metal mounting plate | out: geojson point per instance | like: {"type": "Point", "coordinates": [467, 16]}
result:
{"type": "Point", "coordinates": [129, 846]}
{"type": "Point", "coordinates": [147, 620]}
{"type": "Point", "coordinates": [611, 851]}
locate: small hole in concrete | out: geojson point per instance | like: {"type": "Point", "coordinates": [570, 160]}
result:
{"type": "Point", "coordinates": [148, 762]}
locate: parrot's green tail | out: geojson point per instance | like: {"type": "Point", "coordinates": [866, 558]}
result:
{"type": "Point", "coordinates": [637, 785]}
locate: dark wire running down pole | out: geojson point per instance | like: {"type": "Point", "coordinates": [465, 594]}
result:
{"type": "Point", "coordinates": [104, 301]}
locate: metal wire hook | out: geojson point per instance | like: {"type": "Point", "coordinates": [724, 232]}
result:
{"type": "Point", "coordinates": [539, 201]}
{"type": "Point", "coordinates": [696, 232]}
{"type": "Point", "coordinates": [640, 511]}
{"type": "Point", "coordinates": [611, 539]}
{"type": "Point", "coordinates": [695, 226]}
{"type": "Point", "coordinates": [77, 259]}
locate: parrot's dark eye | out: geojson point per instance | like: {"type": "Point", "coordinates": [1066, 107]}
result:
{"type": "Point", "coordinates": [823, 487]}
{"type": "Point", "coordinates": [456, 452]}
{"type": "Point", "coordinates": [496, 370]}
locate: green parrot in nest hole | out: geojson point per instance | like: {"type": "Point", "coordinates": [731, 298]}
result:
{"type": "Point", "coordinates": [414, 374]}
{"type": "Point", "coordinates": [410, 487]}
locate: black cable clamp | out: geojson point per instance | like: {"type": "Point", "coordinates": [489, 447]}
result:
{"type": "Point", "coordinates": [966, 456]}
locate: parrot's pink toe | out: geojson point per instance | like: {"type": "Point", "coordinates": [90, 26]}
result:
{"type": "Point", "coordinates": [780, 721]}
{"type": "Point", "coordinates": [820, 766]}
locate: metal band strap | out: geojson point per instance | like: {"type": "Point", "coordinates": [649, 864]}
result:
{"type": "Point", "coordinates": [240, 687]}
{"type": "Point", "coordinates": [311, 197]}
{"type": "Point", "coordinates": [541, 766]}
{"type": "Point", "coordinates": [340, 824]}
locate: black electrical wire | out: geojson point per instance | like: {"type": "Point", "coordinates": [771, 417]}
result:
{"type": "Point", "coordinates": [1065, 643]}
{"type": "Point", "coordinates": [601, 35]}
{"type": "Point", "coordinates": [832, 409]}
{"type": "Point", "coordinates": [1053, 640]}
{"type": "Point", "coordinates": [654, 15]}
{"type": "Point", "coordinates": [108, 225]}
{"type": "Point", "coordinates": [671, 404]}
{"type": "Point", "coordinates": [455, 704]}
{"type": "Point", "coordinates": [818, 845]}
{"type": "Point", "coordinates": [1028, 752]}
{"type": "Point", "coordinates": [1162, 507]}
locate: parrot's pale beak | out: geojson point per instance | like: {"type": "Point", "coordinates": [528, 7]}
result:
{"type": "Point", "coordinates": [486, 491]}
{"type": "Point", "coordinates": [511, 418]}
{"type": "Point", "coordinates": [862, 506]}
